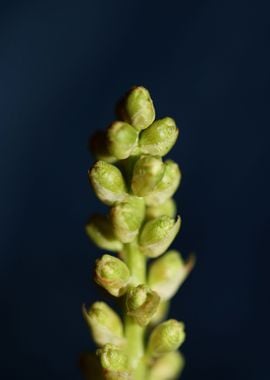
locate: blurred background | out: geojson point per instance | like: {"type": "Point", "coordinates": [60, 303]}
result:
{"type": "Point", "coordinates": [63, 65]}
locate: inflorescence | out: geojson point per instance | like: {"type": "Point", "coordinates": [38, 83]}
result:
{"type": "Point", "coordinates": [131, 178]}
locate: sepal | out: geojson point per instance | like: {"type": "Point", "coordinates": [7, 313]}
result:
{"type": "Point", "coordinates": [158, 234]}
{"type": "Point", "coordinates": [167, 208]}
{"type": "Point", "coordinates": [168, 273]}
{"type": "Point", "coordinates": [122, 139]}
{"type": "Point", "coordinates": [108, 182]}
{"type": "Point", "coordinates": [137, 108]}
{"type": "Point", "coordinates": [167, 367]}
{"type": "Point", "coordinates": [104, 324]}
{"type": "Point", "coordinates": [147, 173]}
{"type": "Point", "coordinates": [167, 186]}
{"type": "Point", "coordinates": [161, 313]}
{"type": "Point", "coordinates": [159, 138]}
{"type": "Point", "coordinates": [114, 362]}
{"type": "Point", "coordinates": [166, 337]}
{"type": "Point", "coordinates": [100, 231]}
{"type": "Point", "coordinates": [127, 218]}
{"type": "Point", "coordinates": [112, 274]}
{"type": "Point", "coordinates": [142, 303]}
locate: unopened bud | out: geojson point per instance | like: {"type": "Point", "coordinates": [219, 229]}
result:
{"type": "Point", "coordinates": [108, 182]}
{"type": "Point", "coordinates": [127, 218]}
{"type": "Point", "coordinates": [158, 234]}
{"type": "Point", "coordinates": [166, 337]}
{"type": "Point", "coordinates": [113, 359]}
{"type": "Point", "coordinates": [105, 325]}
{"type": "Point", "coordinates": [113, 274]}
{"type": "Point", "coordinates": [159, 138]}
{"type": "Point", "coordinates": [142, 303]}
{"type": "Point", "coordinates": [167, 186]}
{"type": "Point", "coordinates": [167, 367]}
{"type": "Point", "coordinates": [122, 139]}
{"type": "Point", "coordinates": [147, 173]}
{"type": "Point", "coordinates": [168, 273]}
{"type": "Point", "coordinates": [161, 313]}
{"type": "Point", "coordinates": [167, 208]}
{"type": "Point", "coordinates": [138, 108]}
{"type": "Point", "coordinates": [100, 231]}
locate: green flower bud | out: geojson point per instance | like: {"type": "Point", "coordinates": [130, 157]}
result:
{"type": "Point", "coordinates": [113, 274]}
{"type": "Point", "coordinates": [127, 218]}
{"type": "Point", "coordinates": [98, 146]}
{"type": "Point", "coordinates": [167, 208]}
{"type": "Point", "coordinates": [100, 231]}
{"type": "Point", "coordinates": [108, 182]}
{"type": "Point", "coordinates": [167, 367]}
{"type": "Point", "coordinates": [122, 139]}
{"type": "Point", "coordinates": [114, 361]}
{"type": "Point", "coordinates": [105, 325]}
{"type": "Point", "coordinates": [167, 186]}
{"type": "Point", "coordinates": [147, 173]}
{"type": "Point", "coordinates": [158, 234]}
{"type": "Point", "coordinates": [142, 303]}
{"type": "Point", "coordinates": [138, 108]}
{"type": "Point", "coordinates": [166, 337]}
{"type": "Point", "coordinates": [90, 367]}
{"type": "Point", "coordinates": [161, 313]}
{"type": "Point", "coordinates": [159, 138]}
{"type": "Point", "coordinates": [168, 273]}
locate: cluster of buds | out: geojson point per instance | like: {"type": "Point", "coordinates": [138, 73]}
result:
{"type": "Point", "coordinates": [132, 178]}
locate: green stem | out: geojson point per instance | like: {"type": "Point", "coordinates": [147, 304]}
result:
{"type": "Point", "coordinates": [136, 262]}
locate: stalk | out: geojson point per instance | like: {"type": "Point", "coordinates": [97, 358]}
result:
{"type": "Point", "coordinates": [134, 333]}
{"type": "Point", "coordinates": [136, 263]}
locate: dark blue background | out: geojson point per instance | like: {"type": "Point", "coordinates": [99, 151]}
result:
{"type": "Point", "coordinates": [63, 64]}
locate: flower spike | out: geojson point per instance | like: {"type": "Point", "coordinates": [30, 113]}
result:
{"type": "Point", "coordinates": [132, 179]}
